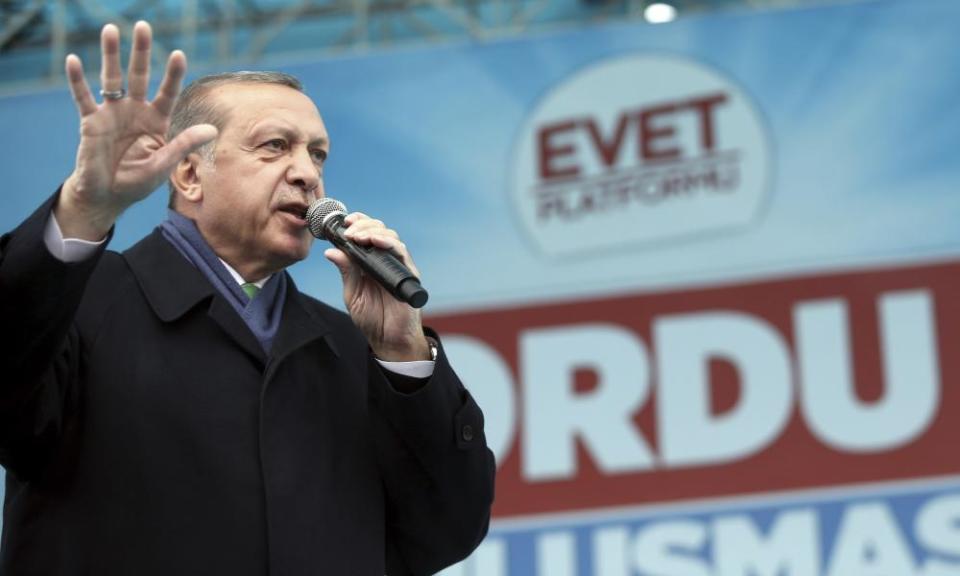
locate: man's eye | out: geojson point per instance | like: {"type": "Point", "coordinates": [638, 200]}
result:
{"type": "Point", "coordinates": [319, 155]}
{"type": "Point", "coordinates": [276, 144]}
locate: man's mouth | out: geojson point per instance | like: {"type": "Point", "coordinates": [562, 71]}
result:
{"type": "Point", "coordinates": [297, 210]}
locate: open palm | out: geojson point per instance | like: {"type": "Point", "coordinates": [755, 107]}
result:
{"type": "Point", "coordinates": [123, 154]}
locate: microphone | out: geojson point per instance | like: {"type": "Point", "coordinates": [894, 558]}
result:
{"type": "Point", "coordinates": [325, 219]}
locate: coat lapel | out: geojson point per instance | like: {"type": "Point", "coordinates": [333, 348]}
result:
{"type": "Point", "coordinates": [227, 318]}
{"type": "Point", "coordinates": [298, 327]}
{"type": "Point", "coordinates": [173, 286]}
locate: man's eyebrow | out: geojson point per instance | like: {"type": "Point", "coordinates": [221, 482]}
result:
{"type": "Point", "coordinates": [286, 130]}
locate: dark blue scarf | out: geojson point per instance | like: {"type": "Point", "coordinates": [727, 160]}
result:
{"type": "Point", "coordinates": [262, 313]}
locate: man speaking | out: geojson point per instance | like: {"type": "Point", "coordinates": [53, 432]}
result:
{"type": "Point", "coordinates": [181, 408]}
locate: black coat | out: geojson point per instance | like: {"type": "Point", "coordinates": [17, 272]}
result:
{"type": "Point", "coordinates": [145, 432]}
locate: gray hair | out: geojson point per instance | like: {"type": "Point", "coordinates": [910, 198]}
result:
{"type": "Point", "coordinates": [194, 107]}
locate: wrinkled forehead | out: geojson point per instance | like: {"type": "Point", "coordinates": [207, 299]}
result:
{"type": "Point", "coordinates": [245, 105]}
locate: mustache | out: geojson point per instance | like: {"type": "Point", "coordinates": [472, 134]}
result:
{"type": "Point", "coordinates": [295, 202]}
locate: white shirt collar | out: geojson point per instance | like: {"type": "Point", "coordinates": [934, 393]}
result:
{"type": "Point", "coordinates": [239, 279]}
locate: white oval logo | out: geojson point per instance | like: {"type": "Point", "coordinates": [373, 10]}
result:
{"type": "Point", "coordinates": [639, 149]}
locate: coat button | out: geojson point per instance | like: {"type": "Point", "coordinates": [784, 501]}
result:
{"type": "Point", "coordinates": [467, 433]}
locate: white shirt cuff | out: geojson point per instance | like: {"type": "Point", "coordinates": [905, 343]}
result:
{"type": "Point", "coordinates": [415, 369]}
{"type": "Point", "coordinates": [67, 249]}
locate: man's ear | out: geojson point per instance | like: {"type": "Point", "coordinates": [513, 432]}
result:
{"type": "Point", "coordinates": [186, 178]}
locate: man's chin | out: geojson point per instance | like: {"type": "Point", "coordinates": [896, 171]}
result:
{"type": "Point", "coordinates": [294, 252]}
{"type": "Point", "coordinates": [284, 248]}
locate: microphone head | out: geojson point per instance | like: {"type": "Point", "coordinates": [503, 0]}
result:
{"type": "Point", "coordinates": [320, 211]}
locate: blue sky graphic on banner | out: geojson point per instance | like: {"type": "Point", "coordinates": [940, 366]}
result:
{"type": "Point", "coordinates": [700, 276]}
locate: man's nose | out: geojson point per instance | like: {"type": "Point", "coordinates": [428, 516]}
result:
{"type": "Point", "coordinates": [303, 172]}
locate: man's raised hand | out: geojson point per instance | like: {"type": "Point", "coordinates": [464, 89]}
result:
{"type": "Point", "coordinates": [123, 154]}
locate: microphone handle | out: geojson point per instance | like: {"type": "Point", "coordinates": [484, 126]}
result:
{"type": "Point", "coordinates": [381, 264]}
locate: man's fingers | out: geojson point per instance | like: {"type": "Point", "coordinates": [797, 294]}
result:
{"type": "Point", "coordinates": [354, 217]}
{"type": "Point", "coordinates": [391, 243]}
{"type": "Point", "coordinates": [138, 72]}
{"type": "Point", "coordinates": [170, 85]}
{"type": "Point", "coordinates": [340, 260]}
{"type": "Point", "coordinates": [185, 142]}
{"type": "Point", "coordinates": [387, 240]}
{"type": "Point", "coordinates": [365, 230]}
{"type": "Point", "coordinates": [111, 79]}
{"type": "Point", "coordinates": [78, 86]}
{"type": "Point", "coordinates": [359, 226]}
{"type": "Point", "coordinates": [362, 230]}
{"type": "Point", "coordinates": [349, 272]}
